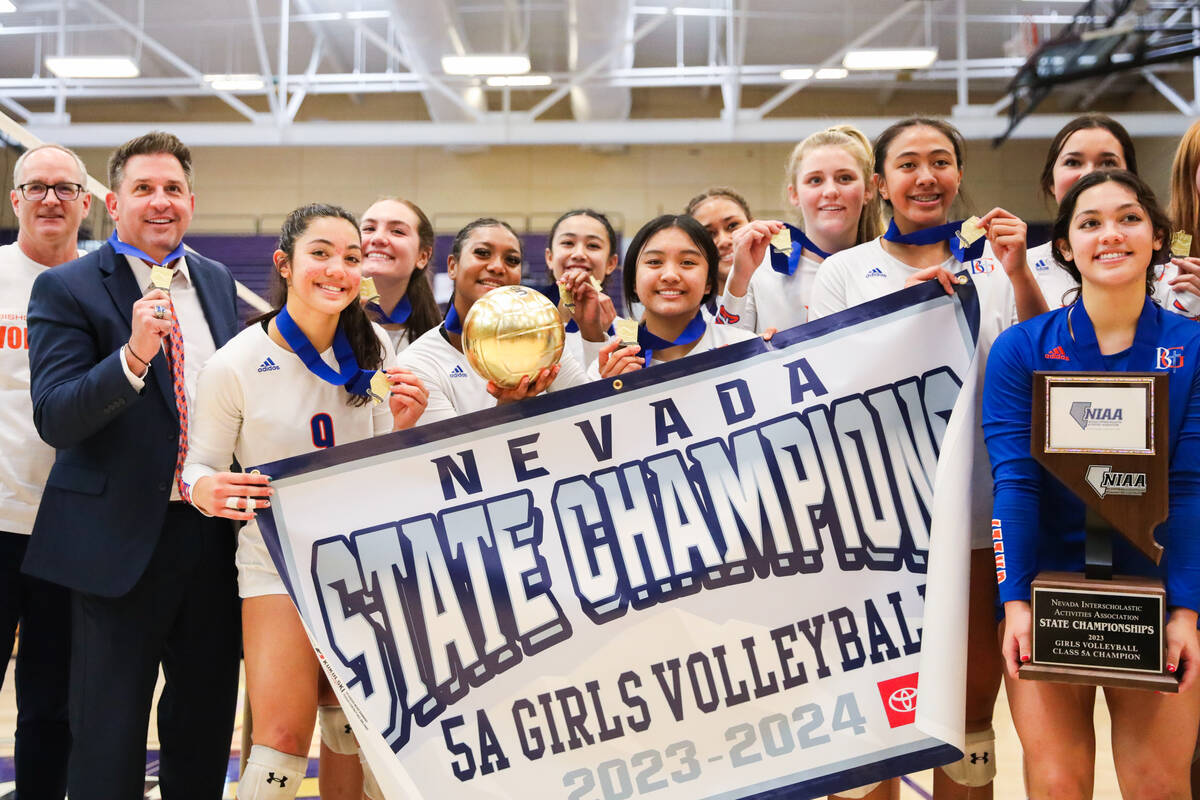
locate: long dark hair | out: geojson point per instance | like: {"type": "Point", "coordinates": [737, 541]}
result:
{"type": "Point", "coordinates": [694, 230]}
{"type": "Point", "coordinates": [885, 139]}
{"type": "Point", "coordinates": [461, 237]}
{"type": "Point", "coordinates": [1082, 123]}
{"type": "Point", "coordinates": [425, 314]}
{"type": "Point", "coordinates": [368, 351]}
{"type": "Point", "coordinates": [1159, 221]}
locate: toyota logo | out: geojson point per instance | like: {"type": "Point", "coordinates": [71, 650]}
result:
{"type": "Point", "coordinates": [903, 699]}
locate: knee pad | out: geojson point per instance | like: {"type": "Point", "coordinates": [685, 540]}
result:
{"type": "Point", "coordinates": [271, 775]}
{"type": "Point", "coordinates": [861, 791]}
{"type": "Point", "coordinates": [978, 766]}
{"type": "Point", "coordinates": [335, 730]}
{"type": "Point", "coordinates": [370, 787]}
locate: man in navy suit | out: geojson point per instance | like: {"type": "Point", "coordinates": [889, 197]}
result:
{"type": "Point", "coordinates": [113, 363]}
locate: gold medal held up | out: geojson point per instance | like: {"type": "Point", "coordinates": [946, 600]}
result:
{"type": "Point", "coordinates": [512, 332]}
{"type": "Point", "coordinates": [160, 277]}
{"type": "Point", "coordinates": [380, 387]}
{"type": "Point", "coordinates": [627, 331]}
{"type": "Point", "coordinates": [367, 291]}
{"type": "Point", "coordinates": [1181, 244]}
{"type": "Point", "coordinates": [970, 232]}
{"type": "Point", "coordinates": [782, 241]}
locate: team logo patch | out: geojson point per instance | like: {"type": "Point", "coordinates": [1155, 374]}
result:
{"type": "Point", "coordinates": [876, 272]}
{"type": "Point", "coordinates": [726, 318]}
{"type": "Point", "coordinates": [1170, 357]}
{"type": "Point", "coordinates": [268, 365]}
{"type": "Point", "coordinates": [1058, 353]}
{"type": "Point", "coordinates": [899, 696]}
{"type": "Point", "coordinates": [458, 372]}
{"type": "Point", "coordinates": [1042, 265]}
{"type": "Point", "coordinates": [982, 266]}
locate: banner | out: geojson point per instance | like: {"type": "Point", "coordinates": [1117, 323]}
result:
{"type": "Point", "coordinates": [712, 578]}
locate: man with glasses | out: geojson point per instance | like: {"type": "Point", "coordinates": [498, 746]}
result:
{"type": "Point", "coordinates": [117, 339]}
{"type": "Point", "coordinates": [50, 202]}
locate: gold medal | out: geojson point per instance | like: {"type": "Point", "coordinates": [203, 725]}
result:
{"type": "Point", "coordinates": [367, 291]}
{"type": "Point", "coordinates": [595, 284]}
{"type": "Point", "coordinates": [568, 297]}
{"type": "Point", "coordinates": [782, 241]}
{"type": "Point", "coordinates": [380, 387]}
{"type": "Point", "coordinates": [970, 232]}
{"type": "Point", "coordinates": [160, 277]}
{"type": "Point", "coordinates": [1181, 244]}
{"type": "Point", "coordinates": [627, 331]}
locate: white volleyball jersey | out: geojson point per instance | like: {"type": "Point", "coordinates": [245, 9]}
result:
{"type": "Point", "coordinates": [714, 336]}
{"type": "Point", "coordinates": [257, 402]}
{"type": "Point", "coordinates": [454, 386]}
{"type": "Point", "coordinates": [866, 272]}
{"type": "Point", "coordinates": [772, 300]}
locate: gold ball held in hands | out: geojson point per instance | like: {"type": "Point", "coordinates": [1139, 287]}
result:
{"type": "Point", "coordinates": [512, 332]}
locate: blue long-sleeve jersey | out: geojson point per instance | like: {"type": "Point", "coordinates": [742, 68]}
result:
{"type": "Point", "coordinates": [1037, 522]}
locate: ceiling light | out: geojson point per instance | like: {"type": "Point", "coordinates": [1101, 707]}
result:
{"type": "Point", "coordinates": [519, 80]}
{"type": "Point", "coordinates": [688, 11]}
{"type": "Point", "coordinates": [92, 66]}
{"type": "Point", "coordinates": [6, 7]}
{"type": "Point", "coordinates": [831, 74]}
{"type": "Point", "coordinates": [486, 64]}
{"type": "Point", "coordinates": [247, 82]}
{"type": "Point", "coordinates": [891, 58]}
{"type": "Point", "coordinates": [800, 74]}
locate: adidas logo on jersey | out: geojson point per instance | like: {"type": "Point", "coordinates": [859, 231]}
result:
{"type": "Point", "coordinates": [458, 372]}
{"type": "Point", "coordinates": [1058, 354]}
{"type": "Point", "coordinates": [876, 272]}
{"type": "Point", "coordinates": [1041, 265]}
{"type": "Point", "coordinates": [268, 365]}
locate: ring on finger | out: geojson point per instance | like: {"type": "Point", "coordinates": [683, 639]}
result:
{"type": "Point", "coordinates": [160, 312]}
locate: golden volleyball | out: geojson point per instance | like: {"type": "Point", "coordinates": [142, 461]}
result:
{"type": "Point", "coordinates": [512, 332]}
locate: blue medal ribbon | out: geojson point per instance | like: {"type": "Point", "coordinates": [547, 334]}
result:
{"type": "Point", "coordinates": [399, 314]}
{"type": "Point", "coordinates": [786, 263]}
{"type": "Point", "coordinates": [129, 250]}
{"type": "Point", "coordinates": [1142, 356]}
{"type": "Point", "coordinates": [936, 235]}
{"type": "Point", "coordinates": [649, 342]}
{"type": "Point", "coordinates": [355, 380]}
{"type": "Point", "coordinates": [452, 323]}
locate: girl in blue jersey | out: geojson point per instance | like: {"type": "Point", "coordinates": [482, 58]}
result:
{"type": "Point", "coordinates": [1109, 234]}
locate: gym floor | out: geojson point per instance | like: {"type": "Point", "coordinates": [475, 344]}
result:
{"type": "Point", "coordinates": [915, 787]}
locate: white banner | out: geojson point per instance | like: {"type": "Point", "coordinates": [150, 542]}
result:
{"type": "Point", "coordinates": [712, 578]}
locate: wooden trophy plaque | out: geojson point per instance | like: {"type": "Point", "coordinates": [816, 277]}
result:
{"type": "Point", "coordinates": [1104, 436]}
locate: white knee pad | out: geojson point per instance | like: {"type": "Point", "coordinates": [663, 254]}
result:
{"type": "Point", "coordinates": [335, 730]}
{"type": "Point", "coordinates": [861, 791]}
{"type": "Point", "coordinates": [978, 766]}
{"type": "Point", "coordinates": [370, 787]}
{"type": "Point", "coordinates": [271, 775]}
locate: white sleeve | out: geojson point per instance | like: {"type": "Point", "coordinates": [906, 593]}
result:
{"type": "Point", "coordinates": [216, 422]}
{"type": "Point", "coordinates": [829, 289]}
{"type": "Point", "coordinates": [740, 312]}
{"type": "Point", "coordinates": [571, 372]}
{"type": "Point", "coordinates": [137, 382]}
{"type": "Point", "coordinates": [1183, 303]}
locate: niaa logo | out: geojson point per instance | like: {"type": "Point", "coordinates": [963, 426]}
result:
{"type": "Point", "coordinates": [1083, 413]}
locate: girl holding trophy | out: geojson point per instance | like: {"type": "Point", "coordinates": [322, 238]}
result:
{"type": "Point", "coordinates": [1109, 235]}
{"type": "Point", "coordinates": [309, 375]}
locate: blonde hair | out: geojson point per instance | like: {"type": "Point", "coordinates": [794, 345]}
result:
{"type": "Point", "coordinates": [856, 143]}
{"type": "Point", "coordinates": [1184, 210]}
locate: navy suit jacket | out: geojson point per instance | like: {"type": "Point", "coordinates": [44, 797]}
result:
{"type": "Point", "coordinates": [106, 497]}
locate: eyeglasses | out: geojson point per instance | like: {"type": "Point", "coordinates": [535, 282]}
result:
{"type": "Point", "coordinates": [63, 191]}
